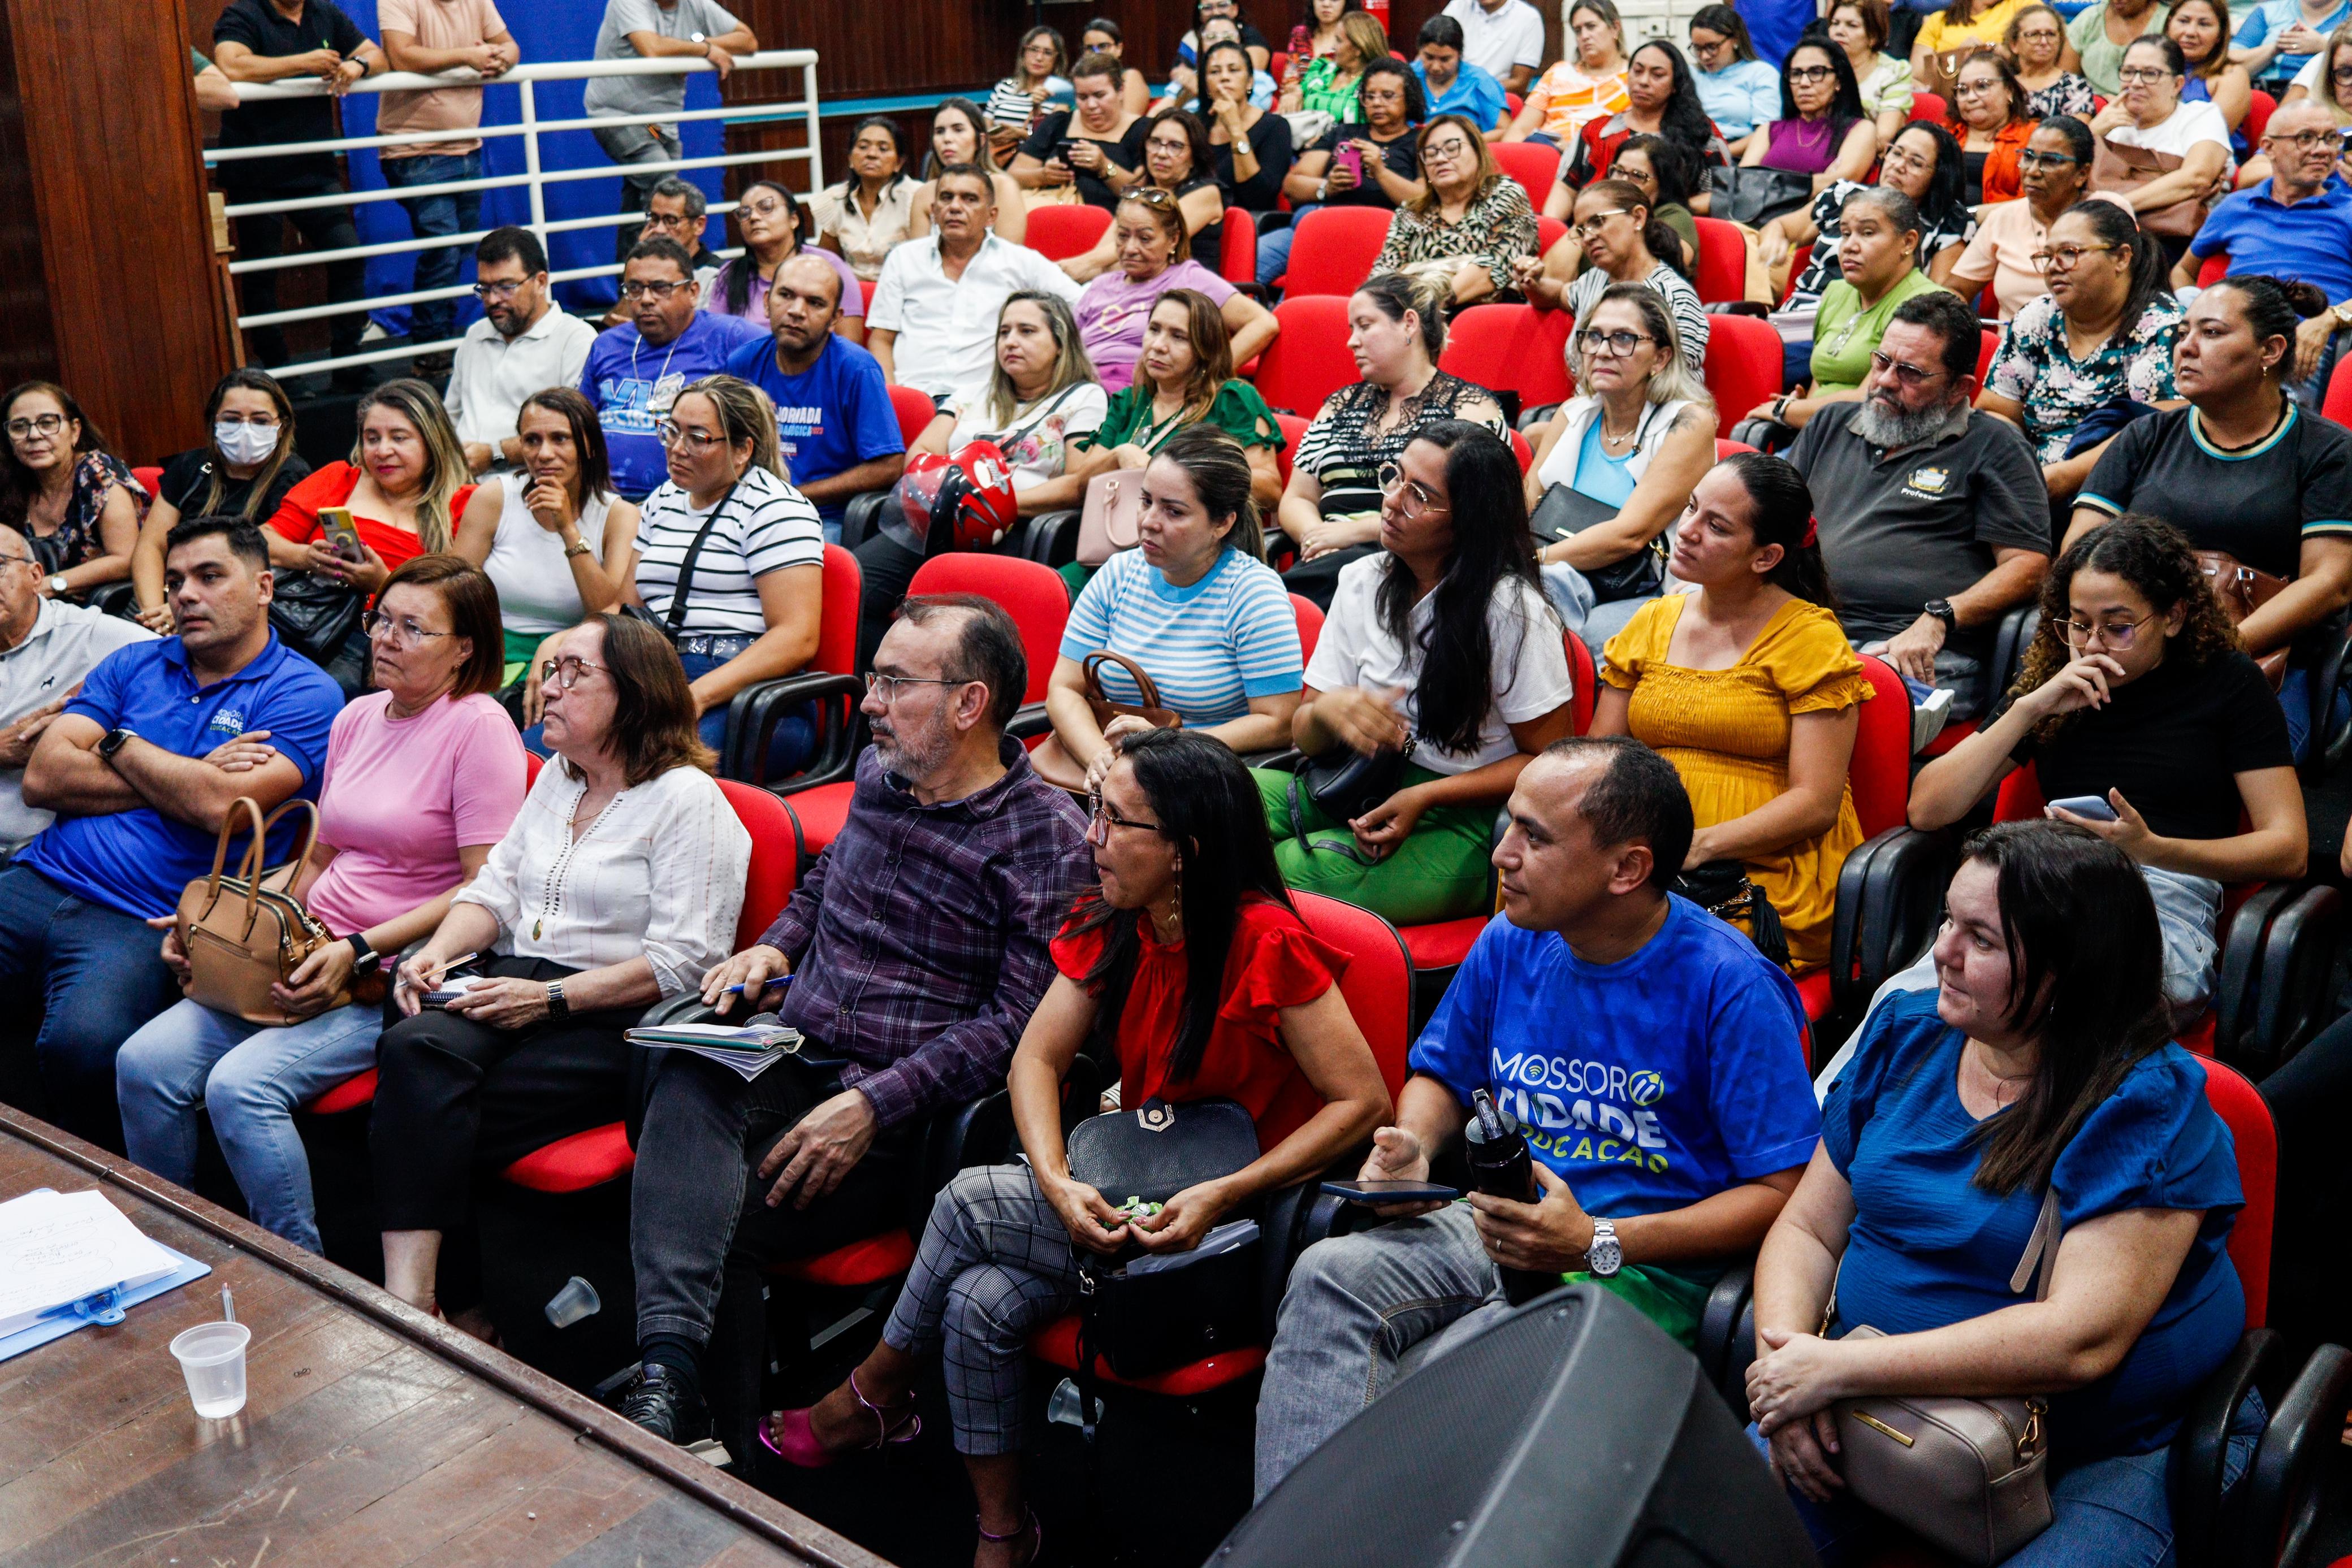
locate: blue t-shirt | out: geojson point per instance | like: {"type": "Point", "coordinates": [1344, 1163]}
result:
{"type": "Point", "coordinates": [2310, 240]}
{"type": "Point", "coordinates": [1930, 1247]}
{"type": "Point", "coordinates": [1740, 97]}
{"type": "Point", "coordinates": [633, 383]}
{"type": "Point", "coordinates": [1599, 475]}
{"type": "Point", "coordinates": [139, 861]}
{"type": "Point", "coordinates": [2277, 16]}
{"type": "Point", "coordinates": [1209, 646]}
{"type": "Point", "coordinates": [1473, 92]}
{"type": "Point", "coordinates": [1647, 1085]}
{"type": "Point", "coordinates": [831, 417]}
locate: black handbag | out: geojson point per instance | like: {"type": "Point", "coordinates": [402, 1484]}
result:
{"type": "Point", "coordinates": [1345, 784]}
{"type": "Point", "coordinates": [314, 615]}
{"type": "Point", "coordinates": [1722, 888]}
{"type": "Point", "coordinates": [1565, 511]}
{"type": "Point", "coordinates": [1156, 1150]}
{"type": "Point", "coordinates": [1756, 196]}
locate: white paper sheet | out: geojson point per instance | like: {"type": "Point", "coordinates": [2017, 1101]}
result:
{"type": "Point", "coordinates": [58, 1248]}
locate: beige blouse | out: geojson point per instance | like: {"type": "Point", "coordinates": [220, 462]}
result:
{"type": "Point", "coordinates": [865, 241]}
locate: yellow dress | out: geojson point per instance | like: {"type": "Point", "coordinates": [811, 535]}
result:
{"type": "Point", "coordinates": [1727, 733]}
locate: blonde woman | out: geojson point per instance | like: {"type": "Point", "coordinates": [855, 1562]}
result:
{"type": "Point", "coordinates": [1588, 85]}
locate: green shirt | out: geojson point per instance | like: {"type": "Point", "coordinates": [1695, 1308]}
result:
{"type": "Point", "coordinates": [1844, 334]}
{"type": "Point", "coordinates": [1238, 411]}
{"type": "Point", "coordinates": [2103, 57]}
{"type": "Point", "coordinates": [1315, 91]}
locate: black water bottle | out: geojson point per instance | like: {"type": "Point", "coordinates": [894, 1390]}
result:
{"type": "Point", "coordinates": [1501, 1166]}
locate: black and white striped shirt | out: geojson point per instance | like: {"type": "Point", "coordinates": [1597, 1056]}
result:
{"type": "Point", "coordinates": [763, 525]}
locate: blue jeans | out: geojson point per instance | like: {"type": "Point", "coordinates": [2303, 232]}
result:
{"type": "Point", "coordinates": [1274, 247]}
{"type": "Point", "coordinates": [430, 320]}
{"type": "Point", "coordinates": [101, 976]}
{"type": "Point", "coordinates": [248, 1077]}
{"type": "Point", "coordinates": [789, 747]}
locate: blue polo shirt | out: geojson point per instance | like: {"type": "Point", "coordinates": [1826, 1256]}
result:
{"type": "Point", "coordinates": [831, 417]}
{"type": "Point", "coordinates": [2310, 240]}
{"type": "Point", "coordinates": [1474, 93]}
{"type": "Point", "coordinates": [139, 861]}
{"type": "Point", "coordinates": [633, 383]}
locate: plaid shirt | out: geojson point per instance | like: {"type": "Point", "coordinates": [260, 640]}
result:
{"type": "Point", "coordinates": [920, 939]}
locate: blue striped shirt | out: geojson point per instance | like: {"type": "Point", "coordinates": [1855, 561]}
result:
{"type": "Point", "coordinates": [1209, 648]}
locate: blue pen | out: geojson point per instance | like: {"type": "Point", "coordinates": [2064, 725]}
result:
{"type": "Point", "coordinates": [777, 984]}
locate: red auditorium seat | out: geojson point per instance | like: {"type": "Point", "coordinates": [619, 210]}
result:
{"type": "Point", "coordinates": [1549, 232]}
{"type": "Point", "coordinates": [1879, 777]}
{"type": "Point", "coordinates": [1929, 106]}
{"type": "Point", "coordinates": [1988, 345]}
{"type": "Point", "coordinates": [1508, 348]}
{"type": "Point", "coordinates": [1309, 360]}
{"type": "Point", "coordinates": [1237, 262]}
{"type": "Point", "coordinates": [2216, 267]}
{"type": "Point", "coordinates": [2338, 404]}
{"type": "Point", "coordinates": [1742, 368]}
{"type": "Point", "coordinates": [1334, 251]}
{"type": "Point", "coordinates": [149, 480]}
{"type": "Point", "coordinates": [1532, 164]}
{"type": "Point", "coordinates": [828, 678]}
{"type": "Point", "coordinates": [1310, 625]}
{"type": "Point", "coordinates": [1294, 426]}
{"type": "Point", "coordinates": [1722, 271]}
{"type": "Point", "coordinates": [1058, 233]}
{"type": "Point", "coordinates": [915, 410]}
{"type": "Point", "coordinates": [2260, 107]}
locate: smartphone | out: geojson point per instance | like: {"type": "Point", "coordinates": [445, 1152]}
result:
{"type": "Point", "coordinates": [1392, 1191]}
{"type": "Point", "coordinates": [2092, 806]}
{"type": "Point", "coordinates": [343, 533]}
{"type": "Point", "coordinates": [1351, 159]}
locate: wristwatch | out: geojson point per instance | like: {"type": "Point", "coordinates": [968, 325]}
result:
{"type": "Point", "coordinates": [365, 959]}
{"type": "Point", "coordinates": [2343, 313]}
{"type": "Point", "coordinates": [1941, 608]}
{"type": "Point", "coordinates": [56, 584]}
{"type": "Point", "coordinates": [1604, 1257]}
{"type": "Point", "coordinates": [113, 740]}
{"type": "Point", "coordinates": [577, 547]}
{"type": "Point", "coordinates": [557, 1007]}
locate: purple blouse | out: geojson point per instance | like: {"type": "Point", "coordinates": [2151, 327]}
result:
{"type": "Point", "coordinates": [1804, 146]}
{"type": "Point", "coordinates": [755, 299]}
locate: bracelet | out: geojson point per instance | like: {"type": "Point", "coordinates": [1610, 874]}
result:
{"type": "Point", "coordinates": [577, 547]}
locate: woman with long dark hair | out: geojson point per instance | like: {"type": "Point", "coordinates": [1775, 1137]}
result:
{"type": "Point", "coordinates": [2034, 1076]}
{"type": "Point", "coordinates": [1860, 28]}
{"type": "Point", "coordinates": [1748, 687]}
{"type": "Point", "coordinates": [776, 228]}
{"type": "Point", "coordinates": [244, 471]}
{"type": "Point", "coordinates": [960, 135]}
{"type": "Point", "coordinates": [2137, 692]}
{"type": "Point", "coordinates": [863, 217]}
{"type": "Point", "coordinates": [1738, 91]}
{"type": "Point", "coordinates": [1821, 131]}
{"type": "Point", "coordinates": [60, 485]}
{"type": "Point", "coordinates": [2201, 28]}
{"type": "Point", "coordinates": [1662, 99]}
{"type": "Point", "coordinates": [1188, 965]}
{"type": "Point", "coordinates": [1443, 648]}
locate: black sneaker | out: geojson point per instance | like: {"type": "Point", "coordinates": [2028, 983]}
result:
{"type": "Point", "coordinates": [658, 1399]}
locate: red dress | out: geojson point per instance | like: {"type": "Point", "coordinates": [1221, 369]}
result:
{"type": "Point", "coordinates": [297, 515]}
{"type": "Point", "coordinates": [1275, 962]}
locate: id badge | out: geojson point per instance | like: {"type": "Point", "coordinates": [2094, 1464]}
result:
{"type": "Point", "coordinates": [665, 394]}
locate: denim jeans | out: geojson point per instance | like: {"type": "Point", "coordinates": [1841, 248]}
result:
{"type": "Point", "coordinates": [626, 144]}
{"type": "Point", "coordinates": [789, 747]}
{"type": "Point", "coordinates": [248, 1077]}
{"type": "Point", "coordinates": [430, 320]}
{"type": "Point", "coordinates": [101, 976]}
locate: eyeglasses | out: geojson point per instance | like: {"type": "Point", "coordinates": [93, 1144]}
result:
{"type": "Point", "coordinates": [2030, 159]}
{"type": "Point", "coordinates": [498, 290]}
{"type": "Point", "coordinates": [2143, 73]}
{"type": "Point", "coordinates": [1976, 88]}
{"type": "Point", "coordinates": [1098, 810]}
{"type": "Point", "coordinates": [1586, 228]}
{"type": "Point", "coordinates": [2117, 634]}
{"type": "Point", "coordinates": [2064, 257]}
{"type": "Point", "coordinates": [1413, 501]}
{"type": "Point", "coordinates": [565, 672]}
{"type": "Point", "coordinates": [1616, 345]}
{"type": "Point", "coordinates": [405, 630]}
{"type": "Point", "coordinates": [669, 433]}
{"type": "Point", "coordinates": [47, 424]}
{"type": "Point", "coordinates": [679, 221]}
{"type": "Point", "coordinates": [767, 209]}
{"type": "Point", "coordinates": [1150, 196]}
{"type": "Point", "coordinates": [6, 561]}
{"type": "Point", "coordinates": [1909, 376]}
{"type": "Point", "coordinates": [1455, 148]}
{"type": "Point", "coordinates": [1811, 73]}
{"type": "Point", "coordinates": [2309, 140]}
{"type": "Point", "coordinates": [886, 687]}
{"type": "Point", "coordinates": [637, 289]}
{"type": "Point", "coordinates": [2342, 74]}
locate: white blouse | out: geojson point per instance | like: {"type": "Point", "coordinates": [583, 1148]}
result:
{"type": "Point", "coordinates": [659, 874]}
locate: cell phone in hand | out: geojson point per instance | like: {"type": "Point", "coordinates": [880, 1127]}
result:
{"type": "Point", "coordinates": [1384, 1192]}
{"type": "Point", "coordinates": [1350, 158]}
{"type": "Point", "coordinates": [2095, 807]}
{"type": "Point", "coordinates": [343, 532]}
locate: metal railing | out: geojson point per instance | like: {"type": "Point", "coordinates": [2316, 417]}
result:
{"type": "Point", "coordinates": [535, 179]}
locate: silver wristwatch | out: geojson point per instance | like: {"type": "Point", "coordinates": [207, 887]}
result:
{"type": "Point", "coordinates": [1604, 1257]}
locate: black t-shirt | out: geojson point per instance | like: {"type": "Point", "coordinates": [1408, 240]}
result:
{"type": "Point", "coordinates": [188, 479]}
{"type": "Point", "coordinates": [2259, 504]}
{"type": "Point", "coordinates": [1401, 156]}
{"type": "Point", "coordinates": [1270, 139]}
{"type": "Point", "coordinates": [1126, 151]}
{"type": "Point", "coordinates": [257, 24]}
{"type": "Point", "coordinates": [2173, 741]}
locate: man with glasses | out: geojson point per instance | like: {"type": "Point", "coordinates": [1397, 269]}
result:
{"type": "Point", "coordinates": [636, 370]}
{"type": "Point", "coordinates": [524, 342]}
{"type": "Point", "coordinates": [1453, 85]}
{"type": "Point", "coordinates": [141, 768]}
{"type": "Point", "coordinates": [46, 646]}
{"type": "Point", "coordinates": [915, 952]}
{"type": "Point", "coordinates": [2298, 223]}
{"type": "Point", "coordinates": [1933, 519]}
{"type": "Point", "coordinates": [933, 324]}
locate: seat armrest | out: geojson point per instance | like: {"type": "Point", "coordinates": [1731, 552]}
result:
{"type": "Point", "coordinates": [2240, 971]}
{"type": "Point", "coordinates": [2202, 1447]}
{"type": "Point", "coordinates": [1029, 719]}
{"type": "Point", "coordinates": [2275, 1510]}
{"type": "Point", "coordinates": [1719, 1319]}
{"type": "Point", "coordinates": [1889, 894]}
{"type": "Point", "coordinates": [861, 517]}
{"type": "Point", "coordinates": [1764, 435]}
{"type": "Point", "coordinates": [687, 1007]}
{"type": "Point", "coordinates": [2293, 998]}
{"type": "Point", "coordinates": [758, 708]}
{"type": "Point", "coordinates": [1053, 538]}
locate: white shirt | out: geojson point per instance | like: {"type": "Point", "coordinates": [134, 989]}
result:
{"type": "Point", "coordinates": [67, 642]}
{"type": "Point", "coordinates": [493, 374]}
{"type": "Point", "coordinates": [1514, 36]}
{"type": "Point", "coordinates": [1529, 670]}
{"type": "Point", "coordinates": [1039, 433]}
{"type": "Point", "coordinates": [1559, 468]}
{"type": "Point", "coordinates": [764, 525]}
{"type": "Point", "coordinates": [659, 874]}
{"type": "Point", "coordinates": [527, 564]}
{"type": "Point", "coordinates": [2176, 132]}
{"type": "Point", "coordinates": [947, 328]}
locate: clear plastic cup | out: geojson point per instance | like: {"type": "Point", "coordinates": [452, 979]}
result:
{"type": "Point", "coordinates": [212, 1358]}
{"type": "Point", "coordinates": [577, 1299]}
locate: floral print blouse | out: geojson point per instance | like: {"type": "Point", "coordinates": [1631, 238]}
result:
{"type": "Point", "coordinates": [2070, 94]}
{"type": "Point", "coordinates": [77, 540]}
{"type": "Point", "coordinates": [2035, 369]}
{"type": "Point", "coordinates": [1497, 225]}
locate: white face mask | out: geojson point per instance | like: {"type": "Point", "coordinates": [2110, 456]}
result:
{"type": "Point", "coordinates": [241, 442]}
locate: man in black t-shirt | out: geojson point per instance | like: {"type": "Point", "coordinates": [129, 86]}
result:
{"type": "Point", "coordinates": [1098, 144]}
{"type": "Point", "coordinates": [282, 41]}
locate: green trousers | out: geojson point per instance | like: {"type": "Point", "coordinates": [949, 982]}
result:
{"type": "Point", "coordinates": [1439, 872]}
{"type": "Point", "coordinates": [1674, 1301]}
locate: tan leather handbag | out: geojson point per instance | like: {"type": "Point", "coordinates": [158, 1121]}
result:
{"type": "Point", "coordinates": [245, 933]}
{"type": "Point", "coordinates": [2117, 170]}
{"type": "Point", "coordinates": [1968, 1475]}
{"type": "Point", "coordinates": [2242, 589]}
{"type": "Point", "coordinates": [1056, 766]}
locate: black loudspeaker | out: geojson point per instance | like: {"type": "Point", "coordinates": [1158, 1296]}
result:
{"type": "Point", "coordinates": [1571, 1433]}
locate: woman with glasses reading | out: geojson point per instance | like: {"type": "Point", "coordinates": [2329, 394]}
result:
{"type": "Point", "coordinates": [2053, 170]}
{"type": "Point", "coordinates": [75, 502]}
{"type": "Point", "coordinates": [2150, 114]}
{"type": "Point", "coordinates": [423, 775]}
{"type": "Point", "coordinates": [2137, 692]}
{"type": "Point", "coordinates": [244, 471]}
{"type": "Point", "coordinates": [1990, 120]}
{"type": "Point", "coordinates": [1470, 224]}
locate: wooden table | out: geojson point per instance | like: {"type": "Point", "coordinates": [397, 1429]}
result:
{"type": "Point", "coordinates": [371, 1434]}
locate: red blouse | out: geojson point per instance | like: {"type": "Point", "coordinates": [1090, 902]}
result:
{"type": "Point", "coordinates": [1275, 963]}
{"type": "Point", "coordinates": [297, 515]}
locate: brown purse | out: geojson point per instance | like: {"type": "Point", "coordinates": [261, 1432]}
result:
{"type": "Point", "coordinates": [2117, 170]}
{"type": "Point", "coordinates": [1052, 762]}
{"type": "Point", "coordinates": [2243, 590]}
{"type": "Point", "coordinates": [245, 932]}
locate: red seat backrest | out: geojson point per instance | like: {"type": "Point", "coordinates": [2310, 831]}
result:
{"type": "Point", "coordinates": [1929, 106]}
{"type": "Point", "coordinates": [2260, 107]}
{"type": "Point", "coordinates": [1987, 345]}
{"type": "Point", "coordinates": [1549, 232]}
{"type": "Point", "coordinates": [1722, 270]}
{"type": "Point", "coordinates": [1534, 165]}
{"type": "Point", "coordinates": [837, 627]}
{"type": "Point", "coordinates": [1742, 367]}
{"type": "Point", "coordinates": [1292, 427]}
{"type": "Point", "coordinates": [1277, 62]}
{"type": "Point", "coordinates": [1502, 349]}
{"type": "Point", "coordinates": [1033, 595]}
{"type": "Point", "coordinates": [1584, 679]}
{"type": "Point", "coordinates": [1514, 103]}
{"type": "Point", "coordinates": [1724, 449]}
{"type": "Point", "coordinates": [1310, 626]}
{"type": "Point", "coordinates": [865, 287]}
{"type": "Point", "coordinates": [532, 763]}
{"type": "Point", "coordinates": [1523, 451]}
{"type": "Point", "coordinates": [1378, 984]}
{"type": "Point", "coordinates": [1880, 773]}
{"type": "Point", "coordinates": [2019, 799]}
{"type": "Point", "coordinates": [2216, 267]}
{"type": "Point", "coordinates": [149, 480]}
{"type": "Point", "coordinates": [775, 858]}
{"type": "Point", "coordinates": [2240, 1107]}
{"type": "Point", "coordinates": [1058, 233]}
{"type": "Point", "coordinates": [1237, 262]}
{"type": "Point", "coordinates": [2338, 404]}
{"type": "Point", "coordinates": [915, 410]}
{"type": "Point", "coordinates": [1334, 251]}
{"type": "Point", "coordinates": [1309, 360]}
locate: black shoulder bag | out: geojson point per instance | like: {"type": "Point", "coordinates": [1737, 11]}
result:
{"type": "Point", "coordinates": [1723, 889]}
{"type": "Point", "coordinates": [1565, 511]}
{"type": "Point", "coordinates": [673, 620]}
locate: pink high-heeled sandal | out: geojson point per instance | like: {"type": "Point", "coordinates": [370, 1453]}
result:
{"type": "Point", "coordinates": [788, 1435]}
{"type": "Point", "coordinates": [1030, 1525]}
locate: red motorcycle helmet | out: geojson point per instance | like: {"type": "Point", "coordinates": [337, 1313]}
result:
{"type": "Point", "coordinates": [972, 487]}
